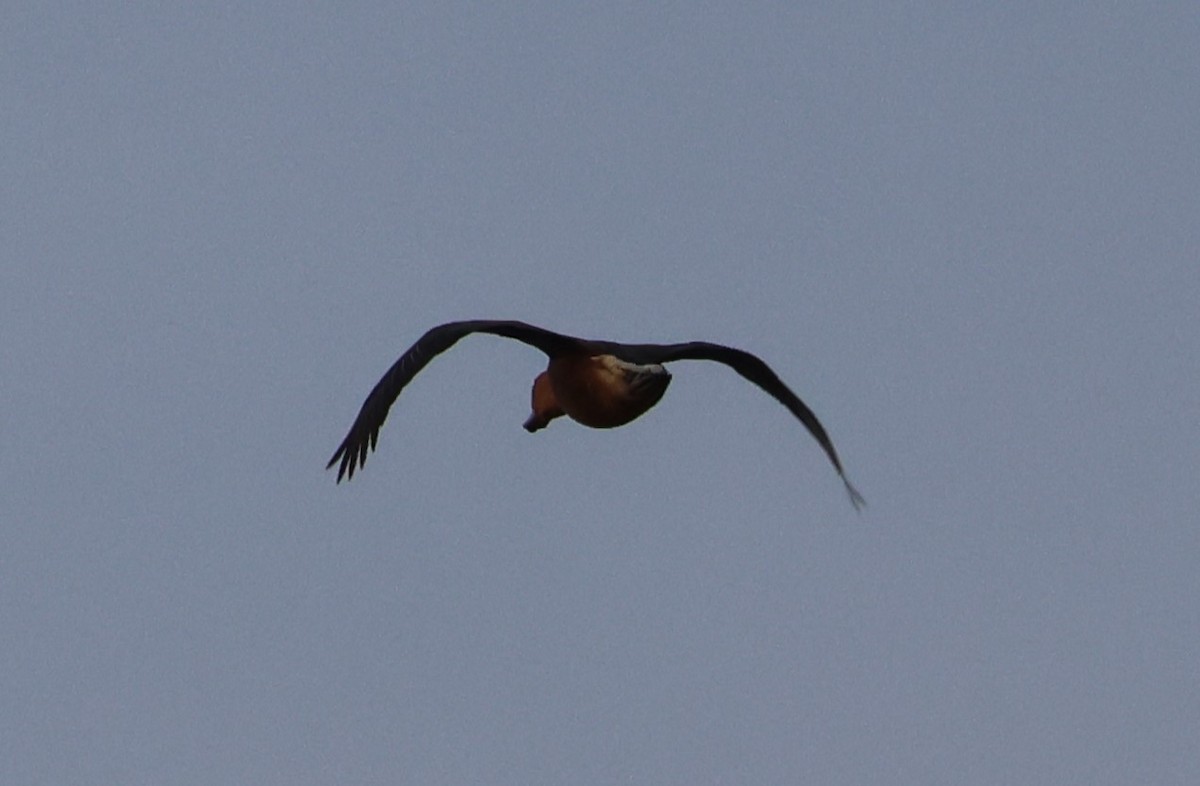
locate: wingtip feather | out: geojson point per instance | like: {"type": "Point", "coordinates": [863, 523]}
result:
{"type": "Point", "coordinates": [857, 500]}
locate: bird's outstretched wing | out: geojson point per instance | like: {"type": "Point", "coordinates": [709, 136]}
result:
{"type": "Point", "coordinates": [752, 368]}
{"type": "Point", "coordinates": [365, 432]}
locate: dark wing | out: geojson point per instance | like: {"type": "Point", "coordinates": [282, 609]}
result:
{"type": "Point", "coordinates": [753, 369]}
{"type": "Point", "coordinates": [365, 432]}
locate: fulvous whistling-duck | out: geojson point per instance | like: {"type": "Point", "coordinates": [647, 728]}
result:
{"type": "Point", "coordinates": [602, 384]}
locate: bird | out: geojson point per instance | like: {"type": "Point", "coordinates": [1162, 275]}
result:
{"type": "Point", "coordinates": [601, 384]}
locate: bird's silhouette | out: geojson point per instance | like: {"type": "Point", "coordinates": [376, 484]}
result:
{"type": "Point", "coordinates": [602, 384]}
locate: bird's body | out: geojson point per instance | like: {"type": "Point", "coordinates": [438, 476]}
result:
{"type": "Point", "coordinates": [601, 391]}
{"type": "Point", "coordinates": [601, 384]}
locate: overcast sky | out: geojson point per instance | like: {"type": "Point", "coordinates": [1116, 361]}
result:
{"type": "Point", "coordinates": [965, 233]}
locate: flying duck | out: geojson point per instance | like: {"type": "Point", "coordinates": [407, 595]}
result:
{"type": "Point", "coordinates": [602, 384]}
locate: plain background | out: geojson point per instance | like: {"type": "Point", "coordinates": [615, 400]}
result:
{"type": "Point", "coordinates": [965, 233]}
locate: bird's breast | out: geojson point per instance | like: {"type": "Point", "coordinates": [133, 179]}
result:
{"type": "Point", "coordinates": [603, 391]}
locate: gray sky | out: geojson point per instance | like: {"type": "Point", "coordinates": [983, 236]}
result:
{"type": "Point", "coordinates": [966, 235]}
